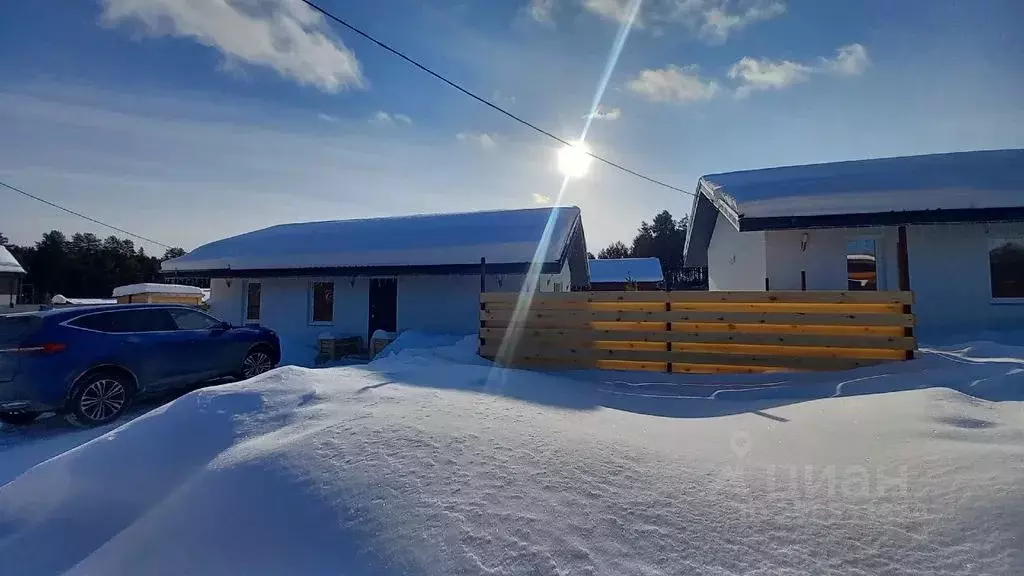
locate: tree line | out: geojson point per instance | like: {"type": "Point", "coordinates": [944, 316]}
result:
{"type": "Point", "coordinates": [83, 266]}
{"type": "Point", "coordinates": [665, 239]}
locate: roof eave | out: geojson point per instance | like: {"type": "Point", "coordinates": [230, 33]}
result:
{"type": "Point", "coordinates": [860, 220]}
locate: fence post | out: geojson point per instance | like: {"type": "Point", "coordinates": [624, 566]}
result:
{"type": "Point", "coordinates": [767, 284]}
{"type": "Point", "coordinates": [483, 289]}
{"type": "Point", "coordinates": [803, 280]}
{"type": "Point", "coordinates": [668, 326]}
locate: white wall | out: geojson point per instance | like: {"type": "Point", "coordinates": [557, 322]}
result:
{"type": "Point", "coordinates": [949, 269]}
{"type": "Point", "coordinates": [442, 304]}
{"type": "Point", "coordinates": [736, 261]}
{"type": "Point", "coordinates": [950, 277]}
{"type": "Point", "coordinates": [824, 260]}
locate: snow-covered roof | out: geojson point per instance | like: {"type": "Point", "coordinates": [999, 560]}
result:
{"type": "Point", "coordinates": [61, 300]}
{"type": "Point", "coordinates": [8, 263]}
{"type": "Point", "coordinates": [960, 180]}
{"type": "Point", "coordinates": [625, 269]}
{"type": "Point", "coordinates": [152, 288]}
{"type": "Point", "coordinates": [979, 186]}
{"type": "Point", "coordinates": [502, 237]}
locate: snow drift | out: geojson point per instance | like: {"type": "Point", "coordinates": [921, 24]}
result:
{"type": "Point", "coordinates": [422, 463]}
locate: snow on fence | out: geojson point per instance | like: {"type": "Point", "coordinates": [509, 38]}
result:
{"type": "Point", "coordinates": [700, 332]}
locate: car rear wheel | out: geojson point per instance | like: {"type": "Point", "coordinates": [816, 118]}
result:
{"type": "Point", "coordinates": [256, 362]}
{"type": "Point", "coordinates": [19, 418]}
{"type": "Point", "coordinates": [100, 399]}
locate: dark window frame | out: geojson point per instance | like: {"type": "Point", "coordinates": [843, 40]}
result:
{"type": "Point", "coordinates": [1006, 284]}
{"type": "Point", "coordinates": [249, 305]}
{"type": "Point", "coordinates": [326, 306]}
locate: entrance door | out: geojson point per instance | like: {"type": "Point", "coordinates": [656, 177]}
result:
{"type": "Point", "coordinates": [383, 305]}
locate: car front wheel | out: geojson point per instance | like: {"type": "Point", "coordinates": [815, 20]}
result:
{"type": "Point", "coordinates": [256, 362]}
{"type": "Point", "coordinates": [100, 399]}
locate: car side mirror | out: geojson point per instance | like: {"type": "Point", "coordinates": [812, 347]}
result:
{"type": "Point", "coordinates": [224, 326]}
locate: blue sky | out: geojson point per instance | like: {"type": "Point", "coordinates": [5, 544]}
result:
{"type": "Point", "coordinates": [190, 120]}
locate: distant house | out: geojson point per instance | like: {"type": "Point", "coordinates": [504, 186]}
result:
{"type": "Point", "coordinates": [353, 277]}
{"type": "Point", "coordinates": [11, 274]}
{"type": "Point", "coordinates": [626, 274]}
{"type": "Point", "coordinates": [151, 293]}
{"type": "Point", "coordinates": [948, 226]}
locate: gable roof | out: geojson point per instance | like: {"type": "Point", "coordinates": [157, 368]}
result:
{"type": "Point", "coordinates": [625, 270]}
{"type": "Point", "coordinates": [423, 243]}
{"type": "Point", "coordinates": [980, 186]}
{"type": "Point", "coordinates": [8, 263]}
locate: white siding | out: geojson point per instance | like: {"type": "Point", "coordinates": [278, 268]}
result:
{"type": "Point", "coordinates": [226, 300]}
{"type": "Point", "coordinates": [824, 260]}
{"type": "Point", "coordinates": [736, 260]}
{"type": "Point", "coordinates": [440, 304]}
{"type": "Point", "coordinates": [949, 269]}
{"type": "Point", "coordinates": [949, 273]}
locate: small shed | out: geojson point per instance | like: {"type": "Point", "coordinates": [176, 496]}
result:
{"type": "Point", "coordinates": [11, 274]}
{"type": "Point", "coordinates": [626, 274]}
{"type": "Point", "coordinates": [159, 293]}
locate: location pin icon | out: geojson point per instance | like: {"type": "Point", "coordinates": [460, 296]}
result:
{"type": "Point", "coordinates": [740, 443]}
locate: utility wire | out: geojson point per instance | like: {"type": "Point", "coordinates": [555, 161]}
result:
{"type": "Point", "coordinates": [80, 215]}
{"type": "Point", "coordinates": [487, 102]}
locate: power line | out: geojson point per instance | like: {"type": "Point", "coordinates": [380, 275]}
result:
{"type": "Point", "coordinates": [485, 101]}
{"type": "Point", "coordinates": [80, 215]}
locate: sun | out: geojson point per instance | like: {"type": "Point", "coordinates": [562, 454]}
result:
{"type": "Point", "coordinates": [574, 160]}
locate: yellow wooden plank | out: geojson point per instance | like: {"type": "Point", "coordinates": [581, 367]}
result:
{"type": "Point", "coordinates": [808, 351]}
{"type": "Point", "coordinates": [703, 336]}
{"type": "Point", "coordinates": [775, 307]}
{"type": "Point", "coordinates": [762, 360]}
{"type": "Point", "coordinates": [570, 318]}
{"type": "Point", "coordinates": [814, 296]}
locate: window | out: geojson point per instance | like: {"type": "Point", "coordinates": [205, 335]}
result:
{"type": "Point", "coordinates": [253, 298]}
{"type": "Point", "coordinates": [323, 302]}
{"type": "Point", "coordinates": [861, 264]}
{"type": "Point", "coordinates": [1006, 266]}
{"type": "Point", "coordinates": [192, 320]}
{"type": "Point", "coordinates": [125, 321]}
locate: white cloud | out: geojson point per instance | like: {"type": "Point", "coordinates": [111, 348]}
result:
{"type": "Point", "coordinates": [614, 10]}
{"type": "Point", "coordinates": [755, 74]}
{"type": "Point", "coordinates": [541, 10]}
{"type": "Point", "coordinates": [541, 199]}
{"type": "Point", "coordinates": [673, 84]}
{"type": "Point", "coordinates": [850, 60]}
{"type": "Point", "coordinates": [382, 117]}
{"type": "Point", "coordinates": [713, 20]}
{"type": "Point", "coordinates": [763, 74]}
{"type": "Point", "coordinates": [285, 35]}
{"type": "Point", "coordinates": [481, 139]}
{"type": "Point", "coordinates": [327, 117]}
{"type": "Point", "coordinates": [717, 22]}
{"type": "Point", "coordinates": [603, 113]}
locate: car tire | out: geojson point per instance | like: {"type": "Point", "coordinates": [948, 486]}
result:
{"type": "Point", "coordinates": [99, 398]}
{"type": "Point", "coordinates": [19, 418]}
{"type": "Point", "coordinates": [257, 360]}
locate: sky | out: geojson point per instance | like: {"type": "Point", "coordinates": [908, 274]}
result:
{"type": "Point", "coordinates": [187, 121]}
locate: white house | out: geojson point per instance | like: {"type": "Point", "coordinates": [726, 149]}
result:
{"type": "Point", "coordinates": [11, 274]}
{"type": "Point", "coordinates": [948, 226]}
{"type": "Point", "coordinates": [352, 277]}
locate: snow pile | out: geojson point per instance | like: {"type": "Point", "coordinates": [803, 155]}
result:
{"type": "Point", "coordinates": [416, 464]}
{"type": "Point", "coordinates": [150, 288]}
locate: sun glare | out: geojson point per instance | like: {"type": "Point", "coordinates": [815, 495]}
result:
{"type": "Point", "coordinates": [574, 161]}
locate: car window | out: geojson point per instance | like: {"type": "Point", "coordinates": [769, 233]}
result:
{"type": "Point", "coordinates": [99, 322]}
{"type": "Point", "coordinates": [192, 320]}
{"type": "Point", "coordinates": [124, 321]}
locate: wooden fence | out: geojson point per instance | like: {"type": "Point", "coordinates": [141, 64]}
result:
{"type": "Point", "coordinates": [698, 332]}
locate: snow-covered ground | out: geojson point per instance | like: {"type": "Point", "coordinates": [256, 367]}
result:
{"type": "Point", "coordinates": [429, 461]}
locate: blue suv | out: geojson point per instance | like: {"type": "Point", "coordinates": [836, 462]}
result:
{"type": "Point", "coordinates": [89, 362]}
